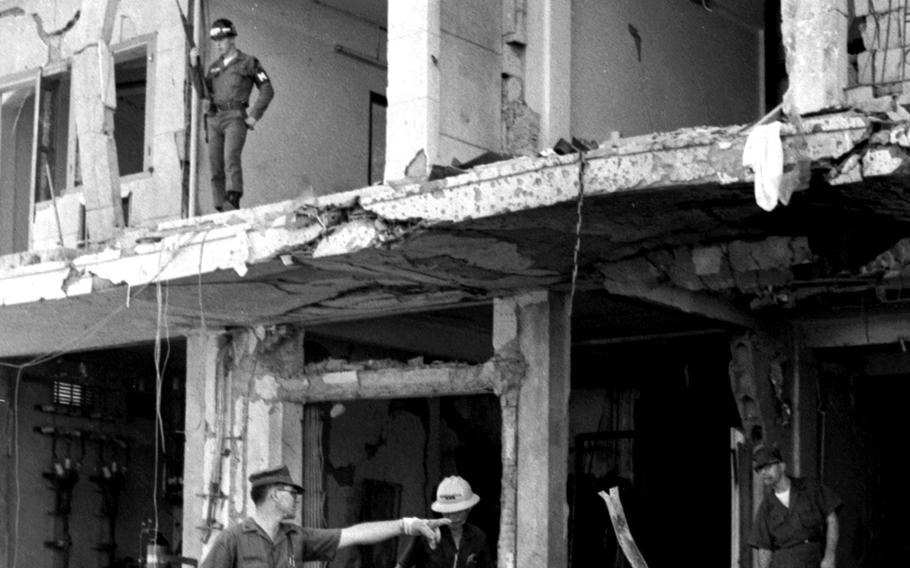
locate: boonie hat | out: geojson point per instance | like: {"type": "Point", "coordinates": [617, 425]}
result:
{"type": "Point", "coordinates": [454, 494]}
{"type": "Point", "coordinates": [764, 455]}
{"type": "Point", "coordinates": [278, 475]}
{"type": "Point", "coordinates": [222, 28]}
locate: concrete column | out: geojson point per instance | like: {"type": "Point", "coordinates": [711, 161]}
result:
{"type": "Point", "coordinates": [548, 67]}
{"type": "Point", "coordinates": [815, 39]}
{"type": "Point", "coordinates": [199, 451]}
{"type": "Point", "coordinates": [757, 365]}
{"type": "Point", "coordinates": [7, 469]}
{"type": "Point", "coordinates": [805, 410]}
{"type": "Point", "coordinates": [412, 117]}
{"type": "Point", "coordinates": [94, 98]}
{"type": "Point", "coordinates": [313, 479]}
{"type": "Point", "coordinates": [536, 325]}
{"type": "Point", "coordinates": [273, 429]}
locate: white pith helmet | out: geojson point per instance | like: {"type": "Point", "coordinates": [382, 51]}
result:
{"type": "Point", "coordinates": [454, 494]}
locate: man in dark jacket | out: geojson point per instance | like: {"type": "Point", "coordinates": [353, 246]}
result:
{"type": "Point", "coordinates": [796, 524]}
{"type": "Point", "coordinates": [229, 81]}
{"type": "Point", "coordinates": [462, 545]}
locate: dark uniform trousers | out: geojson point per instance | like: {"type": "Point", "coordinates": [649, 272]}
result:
{"type": "Point", "coordinates": [230, 85]}
{"type": "Point", "coordinates": [227, 135]}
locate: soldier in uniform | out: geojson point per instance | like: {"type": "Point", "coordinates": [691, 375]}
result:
{"type": "Point", "coordinates": [229, 81]}
{"type": "Point", "coordinates": [269, 537]}
{"type": "Point", "coordinates": [796, 524]}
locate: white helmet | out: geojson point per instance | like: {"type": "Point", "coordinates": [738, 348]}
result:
{"type": "Point", "coordinates": [454, 494]}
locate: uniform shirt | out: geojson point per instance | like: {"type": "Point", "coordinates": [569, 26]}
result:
{"type": "Point", "coordinates": [471, 553]}
{"type": "Point", "coordinates": [777, 527]}
{"type": "Point", "coordinates": [233, 82]}
{"type": "Point", "coordinates": [245, 545]}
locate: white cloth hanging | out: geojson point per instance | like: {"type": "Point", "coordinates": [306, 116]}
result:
{"type": "Point", "coordinates": [764, 154]}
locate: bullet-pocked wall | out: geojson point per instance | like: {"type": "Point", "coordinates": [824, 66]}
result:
{"type": "Point", "coordinates": [641, 66]}
{"type": "Point", "coordinates": [326, 60]}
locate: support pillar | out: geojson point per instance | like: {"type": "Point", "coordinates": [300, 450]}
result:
{"type": "Point", "coordinates": [201, 419]}
{"type": "Point", "coordinates": [815, 39]}
{"type": "Point", "coordinates": [94, 97]}
{"type": "Point", "coordinates": [7, 468]}
{"type": "Point", "coordinates": [412, 122]}
{"type": "Point", "coordinates": [536, 325]}
{"type": "Point", "coordinates": [548, 70]}
{"type": "Point", "coordinates": [313, 471]}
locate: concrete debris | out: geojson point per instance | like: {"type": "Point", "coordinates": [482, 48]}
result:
{"type": "Point", "coordinates": [891, 262]}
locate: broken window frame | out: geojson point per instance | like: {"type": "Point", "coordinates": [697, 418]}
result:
{"type": "Point", "coordinates": [140, 46]}
{"type": "Point", "coordinates": [62, 72]}
{"type": "Point", "coordinates": [376, 153]}
{"type": "Point", "coordinates": [25, 80]}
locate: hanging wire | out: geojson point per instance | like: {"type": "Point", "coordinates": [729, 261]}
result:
{"type": "Point", "coordinates": [582, 166]}
{"type": "Point", "coordinates": [68, 347]}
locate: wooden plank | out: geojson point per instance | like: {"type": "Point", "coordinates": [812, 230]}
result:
{"type": "Point", "coordinates": [621, 528]}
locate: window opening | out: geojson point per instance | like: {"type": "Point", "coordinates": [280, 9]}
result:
{"type": "Point", "coordinates": [17, 141]}
{"type": "Point", "coordinates": [53, 137]}
{"type": "Point", "coordinates": [131, 76]}
{"type": "Point", "coordinates": [73, 395]}
{"type": "Point", "coordinates": [376, 165]}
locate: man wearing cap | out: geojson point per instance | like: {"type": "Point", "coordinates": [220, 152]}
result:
{"type": "Point", "coordinates": [796, 524]}
{"type": "Point", "coordinates": [229, 80]}
{"type": "Point", "coordinates": [462, 545]}
{"type": "Point", "coordinates": [270, 539]}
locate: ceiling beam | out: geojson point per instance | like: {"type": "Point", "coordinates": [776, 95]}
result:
{"type": "Point", "coordinates": [685, 301]}
{"type": "Point", "coordinates": [398, 381]}
{"type": "Point", "coordinates": [857, 329]}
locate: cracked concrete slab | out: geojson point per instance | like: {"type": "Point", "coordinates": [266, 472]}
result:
{"type": "Point", "coordinates": [500, 227]}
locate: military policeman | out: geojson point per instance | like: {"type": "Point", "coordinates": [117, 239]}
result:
{"type": "Point", "coordinates": [270, 539]}
{"type": "Point", "coordinates": [796, 524]}
{"type": "Point", "coordinates": [229, 80]}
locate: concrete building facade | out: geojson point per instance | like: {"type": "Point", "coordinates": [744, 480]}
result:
{"type": "Point", "coordinates": [552, 246]}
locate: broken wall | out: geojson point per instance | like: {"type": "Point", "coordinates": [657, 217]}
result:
{"type": "Point", "coordinates": [642, 66]}
{"type": "Point", "coordinates": [47, 35]}
{"type": "Point", "coordinates": [408, 446]}
{"type": "Point", "coordinates": [316, 132]}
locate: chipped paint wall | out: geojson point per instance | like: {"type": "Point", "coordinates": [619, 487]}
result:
{"type": "Point", "coordinates": [413, 443]}
{"type": "Point", "coordinates": [316, 131]}
{"type": "Point", "coordinates": [45, 35]}
{"type": "Point", "coordinates": [694, 68]}
{"type": "Point", "coordinates": [377, 440]}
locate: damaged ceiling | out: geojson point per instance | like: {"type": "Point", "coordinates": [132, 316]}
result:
{"type": "Point", "coordinates": [672, 241]}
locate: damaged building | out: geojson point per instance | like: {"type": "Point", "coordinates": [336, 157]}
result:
{"type": "Point", "coordinates": [553, 247]}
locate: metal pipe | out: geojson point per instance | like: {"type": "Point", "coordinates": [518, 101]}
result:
{"type": "Point", "coordinates": [194, 119]}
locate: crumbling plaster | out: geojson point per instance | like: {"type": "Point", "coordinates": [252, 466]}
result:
{"type": "Point", "coordinates": [380, 249]}
{"type": "Point", "coordinates": [48, 34]}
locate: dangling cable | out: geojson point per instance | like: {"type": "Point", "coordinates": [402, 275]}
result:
{"type": "Point", "coordinates": [582, 166]}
